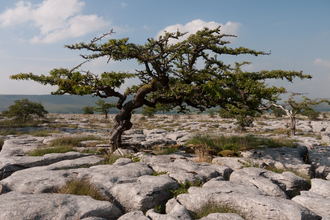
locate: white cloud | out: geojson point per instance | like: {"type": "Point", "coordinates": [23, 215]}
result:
{"type": "Point", "coordinates": [123, 4]}
{"type": "Point", "coordinates": [323, 63]}
{"type": "Point", "coordinates": [145, 27]}
{"type": "Point", "coordinates": [54, 21]}
{"type": "Point", "coordinates": [198, 24]}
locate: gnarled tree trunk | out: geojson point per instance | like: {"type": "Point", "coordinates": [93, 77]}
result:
{"type": "Point", "coordinates": [293, 125]}
{"type": "Point", "coordinates": [123, 120]}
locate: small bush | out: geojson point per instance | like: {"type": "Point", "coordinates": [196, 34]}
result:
{"type": "Point", "coordinates": [88, 110]}
{"type": "Point", "coordinates": [311, 114]}
{"type": "Point", "coordinates": [110, 159]}
{"type": "Point", "coordinates": [81, 187]}
{"type": "Point", "coordinates": [159, 150]}
{"type": "Point", "coordinates": [183, 188]}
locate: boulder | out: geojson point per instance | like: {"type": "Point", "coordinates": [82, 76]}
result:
{"type": "Point", "coordinates": [280, 158]}
{"type": "Point", "coordinates": [184, 170]}
{"type": "Point", "coordinates": [144, 192]}
{"type": "Point", "coordinates": [245, 198]}
{"type": "Point", "coordinates": [16, 205]}
{"type": "Point", "coordinates": [223, 216]}
{"type": "Point", "coordinates": [134, 215]}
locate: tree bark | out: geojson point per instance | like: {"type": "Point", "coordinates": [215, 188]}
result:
{"type": "Point", "coordinates": [123, 124]}
{"type": "Point", "coordinates": [293, 125]}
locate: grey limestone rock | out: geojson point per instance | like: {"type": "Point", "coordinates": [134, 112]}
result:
{"type": "Point", "coordinates": [274, 184]}
{"type": "Point", "coordinates": [245, 198]}
{"type": "Point", "coordinates": [144, 192]}
{"type": "Point", "coordinates": [184, 170]}
{"type": "Point", "coordinates": [16, 205]}
{"type": "Point", "coordinates": [321, 187]}
{"type": "Point", "coordinates": [315, 202]}
{"type": "Point", "coordinates": [223, 216]}
{"type": "Point", "coordinates": [281, 158]}
{"type": "Point", "coordinates": [134, 215]}
{"type": "Point", "coordinates": [319, 158]}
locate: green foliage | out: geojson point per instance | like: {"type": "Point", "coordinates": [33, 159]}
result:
{"type": "Point", "coordinates": [24, 108]}
{"type": "Point", "coordinates": [311, 114]}
{"type": "Point", "coordinates": [88, 110]}
{"type": "Point", "coordinates": [158, 150]}
{"type": "Point", "coordinates": [110, 158]}
{"type": "Point", "coordinates": [183, 187]}
{"type": "Point", "coordinates": [225, 114]}
{"type": "Point", "coordinates": [81, 187]}
{"type": "Point", "coordinates": [155, 173]}
{"type": "Point", "coordinates": [278, 112]}
{"type": "Point", "coordinates": [104, 107]}
{"type": "Point", "coordinates": [148, 111]}
{"type": "Point", "coordinates": [71, 141]}
{"type": "Point", "coordinates": [237, 143]}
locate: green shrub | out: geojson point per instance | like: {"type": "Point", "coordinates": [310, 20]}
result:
{"type": "Point", "coordinates": [88, 110]}
{"type": "Point", "coordinates": [183, 187]}
{"type": "Point", "coordinates": [311, 114]}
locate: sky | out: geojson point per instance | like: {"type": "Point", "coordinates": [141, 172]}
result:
{"type": "Point", "coordinates": [33, 34]}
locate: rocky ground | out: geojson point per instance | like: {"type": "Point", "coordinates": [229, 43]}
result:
{"type": "Point", "coordinates": [138, 184]}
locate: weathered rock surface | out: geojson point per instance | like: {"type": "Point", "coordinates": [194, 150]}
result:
{"type": "Point", "coordinates": [319, 158]}
{"type": "Point", "coordinates": [222, 216]}
{"type": "Point", "coordinates": [317, 198]}
{"type": "Point", "coordinates": [16, 205]}
{"type": "Point", "coordinates": [246, 198]}
{"type": "Point", "coordinates": [280, 158]}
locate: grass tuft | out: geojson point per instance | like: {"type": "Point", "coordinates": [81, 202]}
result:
{"type": "Point", "coordinates": [210, 208]}
{"type": "Point", "coordinates": [183, 187]}
{"type": "Point", "coordinates": [81, 187]}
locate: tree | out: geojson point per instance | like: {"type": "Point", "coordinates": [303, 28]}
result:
{"type": "Point", "coordinates": [278, 112]}
{"type": "Point", "coordinates": [244, 94]}
{"type": "Point", "coordinates": [311, 114]}
{"type": "Point", "coordinates": [104, 107]}
{"type": "Point", "coordinates": [24, 108]}
{"type": "Point", "coordinates": [170, 74]}
{"type": "Point", "coordinates": [88, 110]}
{"type": "Point", "coordinates": [296, 107]}
{"type": "Point", "coordinates": [148, 111]}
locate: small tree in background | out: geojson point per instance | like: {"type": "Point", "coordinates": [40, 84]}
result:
{"type": "Point", "coordinates": [278, 112]}
{"type": "Point", "coordinates": [296, 107]}
{"type": "Point", "coordinates": [24, 108]}
{"type": "Point", "coordinates": [311, 114]}
{"type": "Point", "coordinates": [104, 107]}
{"type": "Point", "coordinates": [148, 111]}
{"type": "Point", "coordinates": [88, 110]}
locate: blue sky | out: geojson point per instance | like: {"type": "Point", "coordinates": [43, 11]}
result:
{"type": "Point", "coordinates": [33, 34]}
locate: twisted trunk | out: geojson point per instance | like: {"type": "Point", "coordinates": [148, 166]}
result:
{"type": "Point", "coordinates": [123, 120]}
{"type": "Point", "coordinates": [293, 125]}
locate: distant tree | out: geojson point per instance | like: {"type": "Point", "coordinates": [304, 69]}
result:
{"type": "Point", "coordinates": [278, 112]}
{"type": "Point", "coordinates": [88, 110]}
{"type": "Point", "coordinates": [311, 114]}
{"type": "Point", "coordinates": [148, 111]}
{"type": "Point", "coordinates": [24, 108]}
{"type": "Point", "coordinates": [169, 74]}
{"type": "Point", "coordinates": [296, 107]}
{"type": "Point", "coordinates": [104, 107]}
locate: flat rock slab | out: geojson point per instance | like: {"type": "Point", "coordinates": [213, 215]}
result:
{"type": "Point", "coordinates": [184, 170]}
{"type": "Point", "coordinates": [42, 180]}
{"type": "Point", "coordinates": [248, 200]}
{"type": "Point", "coordinates": [274, 184]}
{"type": "Point", "coordinates": [16, 205]}
{"type": "Point", "coordinates": [9, 165]}
{"type": "Point", "coordinates": [280, 158]}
